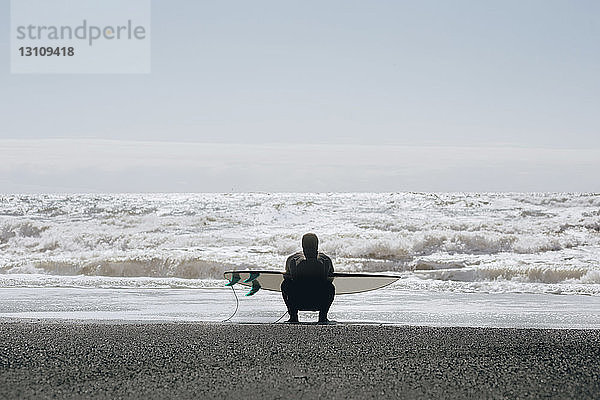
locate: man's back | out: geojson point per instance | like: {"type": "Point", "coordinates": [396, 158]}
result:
{"type": "Point", "coordinates": [298, 266]}
{"type": "Point", "coordinates": [308, 280]}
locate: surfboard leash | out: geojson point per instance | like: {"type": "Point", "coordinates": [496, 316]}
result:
{"type": "Point", "coordinates": [280, 318]}
{"type": "Point", "coordinates": [237, 304]}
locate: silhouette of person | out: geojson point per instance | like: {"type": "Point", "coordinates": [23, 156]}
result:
{"type": "Point", "coordinates": [307, 280]}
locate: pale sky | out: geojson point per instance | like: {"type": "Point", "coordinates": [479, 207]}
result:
{"type": "Point", "coordinates": [322, 96]}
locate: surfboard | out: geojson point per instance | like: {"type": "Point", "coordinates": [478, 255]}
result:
{"type": "Point", "coordinates": [344, 282]}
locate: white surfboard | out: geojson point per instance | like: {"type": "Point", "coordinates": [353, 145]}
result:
{"type": "Point", "coordinates": [344, 282]}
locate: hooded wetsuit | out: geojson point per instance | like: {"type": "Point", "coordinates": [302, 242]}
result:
{"type": "Point", "coordinates": [307, 284]}
{"type": "Point", "coordinates": [298, 266]}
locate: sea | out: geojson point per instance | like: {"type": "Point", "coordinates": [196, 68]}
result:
{"type": "Point", "coordinates": [463, 259]}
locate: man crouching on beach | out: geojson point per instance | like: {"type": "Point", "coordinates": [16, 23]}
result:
{"type": "Point", "coordinates": [307, 281]}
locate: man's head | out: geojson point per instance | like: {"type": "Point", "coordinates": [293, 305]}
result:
{"type": "Point", "coordinates": [310, 245]}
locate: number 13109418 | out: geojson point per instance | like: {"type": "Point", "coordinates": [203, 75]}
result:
{"type": "Point", "coordinates": [46, 51]}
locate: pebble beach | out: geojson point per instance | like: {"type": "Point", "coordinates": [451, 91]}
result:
{"type": "Point", "coordinates": [58, 359]}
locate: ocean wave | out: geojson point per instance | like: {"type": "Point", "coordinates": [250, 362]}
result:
{"type": "Point", "coordinates": [561, 200]}
{"type": "Point", "coordinates": [24, 229]}
{"type": "Point", "coordinates": [530, 274]}
{"type": "Point", "coordinates": [188, 268]}
{"type": "Point", "coordinates": [441, 237]}
{"type": "Point", "coordinates": [399, 247]}
{"type": "Point", "coordinates": [104, 282]}
{"type": "Point", "coordinates": [593, 226]}
{"type": "Point", "coordinates": [495, 287]}
{"type": "Point", "coordinates": [587, 284]}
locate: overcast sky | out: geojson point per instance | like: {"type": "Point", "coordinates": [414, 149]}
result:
{"type": "Point", "coordinates": [322, 96]}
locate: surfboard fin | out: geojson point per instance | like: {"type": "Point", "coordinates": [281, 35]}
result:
{"type": "Point", "coordinates": [252, 277]}
{"type": "Point", "coordinates": [235, 278]}
{"type": "Point", "coordinates": [255, 288]}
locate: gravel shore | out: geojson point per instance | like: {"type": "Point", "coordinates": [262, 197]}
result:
{"type": "Point", "coordinates": [99, 360]}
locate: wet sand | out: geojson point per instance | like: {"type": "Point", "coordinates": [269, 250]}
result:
{"type": "Point", "coordinates": [104, 360]}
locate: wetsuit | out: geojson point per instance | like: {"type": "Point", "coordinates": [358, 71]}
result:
{"type": "Point", "coordinates": [307, 284]}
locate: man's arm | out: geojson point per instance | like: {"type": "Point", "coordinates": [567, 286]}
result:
{"type": "Point", "coordinates": [328, 266]}
{"type": "Point", "coordinates": [290, 263]}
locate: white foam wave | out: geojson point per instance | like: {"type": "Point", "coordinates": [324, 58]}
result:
{"type": "Point", "coordinates": [390, 245]}
{"type": "Point", "coordinates": [20, 229]}
{"type": "Point", "coordinates": [188, 268]}
{"type": "Point", "coordinates": [498, 286]}
{"type": "Point", "coordinates": [82, 281]}
{"type": "Point", "coordinates": [471, 238]}
{"type": "Point", "coordinates": [531, 274]}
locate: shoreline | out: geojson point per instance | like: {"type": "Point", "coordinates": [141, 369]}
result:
{"type": "Point", "coordinates": [101, 359]}
{"type": "Point", "coordinates": [386, 306]}
{"type": "Point", "coordinates": [333, 323]}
